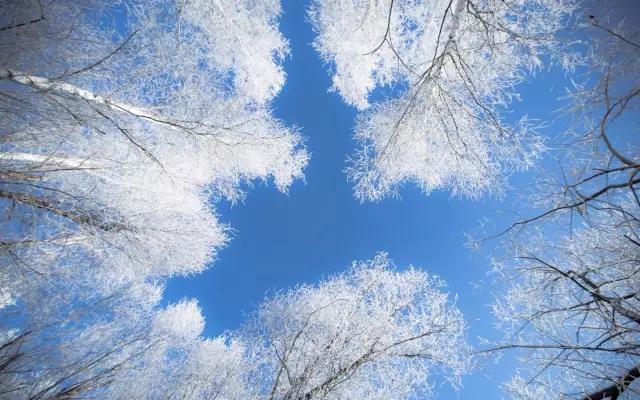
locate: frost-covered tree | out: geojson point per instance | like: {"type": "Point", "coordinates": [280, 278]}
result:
{"type": "Point", "coordinates": [119, 122]}
{"type": "Point", "coordinates": [113, 349]}
{"type": "Point", "coordinates": [76, 344]}
{"type": "Point", "coordinates": [451, 67]}
{"type": "Point", "coordinates": [372, 332]}
{"type": "Point", "coordinates": [572, 304]}
{"type": "Point", "coordinates": [182, 364]}
{"type": "Point", "coordinates": [574, 307]}
{"type": "Point", "coordinates": [369, 333]}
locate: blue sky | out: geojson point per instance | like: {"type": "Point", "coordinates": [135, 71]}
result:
{"type": "Point", "coordinates": [319, 227]}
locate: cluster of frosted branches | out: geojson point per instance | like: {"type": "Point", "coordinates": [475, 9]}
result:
{"type": "Point", "coordinates": [119, 123]}
{"type": "Point", "coordinates": [371, 332]}
{"type": "Point", "coordinates": [572, 265]}
{"type": "Point", "coordinates": [115, 136]}
{"type": "Point", "coordinates": [456, 63]}
{"type": "Point", "coordinates": [574, 305]}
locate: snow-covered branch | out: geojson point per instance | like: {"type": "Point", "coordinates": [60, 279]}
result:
{"type": "Point", "coordinates": [451, 66]}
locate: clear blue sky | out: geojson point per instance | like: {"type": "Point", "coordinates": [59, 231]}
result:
{"type": "Point", "coordinates": [319, 228]}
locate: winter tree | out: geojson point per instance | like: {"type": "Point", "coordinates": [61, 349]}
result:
{"type": "Point", "coordinates": [181, 364]}
{"type": "Point", "coordinates": [140, 352]}
{"type": "Point", "coordinates": [74, 345]}
{"type": "Point", "coordinates": [370, 333]}
{"type": "Point", "coordinates": [451, 68]}
{"type": "Point", "coordinates": [572, 306]}
{"type": "Point", "coordinates": [119, 123]}
{"type": "Point", "coordinates": [115, 131]}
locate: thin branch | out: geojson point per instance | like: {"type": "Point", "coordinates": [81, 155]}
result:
{"type": "Point", "coordinates": [614, 391]}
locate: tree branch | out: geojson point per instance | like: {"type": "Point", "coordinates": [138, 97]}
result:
{"type": "Point", "coordinates": [70, 215]}
{"type": "Point", "coordinates": [33, 21]}
{"type": "Point", "coordinates": [614, 391]}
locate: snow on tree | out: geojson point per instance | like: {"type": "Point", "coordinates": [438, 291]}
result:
{"type": "Point", "coordinates": [580, 303]}
{"type": "Point", "coordinates": [452, 67]}
{"type": "Point", "coordinates": [74, 344]}
{"type": "Point", "coordinates": [371, 332]}
{"type": "Point", "coordinates": [120, 123]}
{"type": "Point", "coordinates": [572, 304]}
{"type": "Point", "coordinates": [182, 364]}
{"type": "Point", "coordinates": [115, 136]}
{"type": "Point", "coordinates": [142, 351]}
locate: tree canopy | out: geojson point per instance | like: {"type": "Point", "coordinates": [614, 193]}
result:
{"type": "Point", "coordinates": [123, 123]}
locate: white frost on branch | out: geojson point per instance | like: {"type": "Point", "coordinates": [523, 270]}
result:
{"type": "Point", "coordinates": [573, 306]}
{"type": "Point", "coordinates": [452, 67]}
{"type": "Point", "coordinates": [121, 123]}
{"type": "Point", "coordinates": [372, 332]}
{"type": "Point", "coordinates": [247, 40]}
